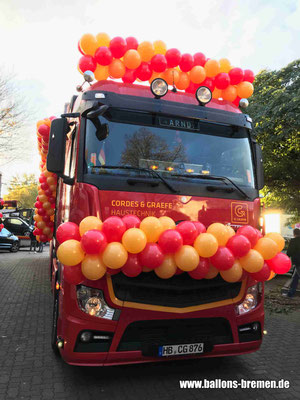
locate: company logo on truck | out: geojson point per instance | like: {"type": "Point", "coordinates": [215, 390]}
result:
{"type": "Point", "coordinates": [239, 213]}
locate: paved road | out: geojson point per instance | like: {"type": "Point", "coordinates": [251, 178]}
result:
{"type": "Point", "coordinates": [29, 370]}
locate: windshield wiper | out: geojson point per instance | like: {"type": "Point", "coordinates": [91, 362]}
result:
{"type": "Point", "coordinates": [151, 171]}
{"type": "Point", "coordinates": [217, 178]}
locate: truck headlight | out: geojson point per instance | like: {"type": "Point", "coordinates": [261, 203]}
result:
{"type": "Point", "coordinates": [92, 302]}
{"type": "Point", "coordinates": [250, 301]}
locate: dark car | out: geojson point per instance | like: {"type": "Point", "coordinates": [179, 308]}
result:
{"type": "Point", "coordinates": [9, 241]}
{"type": "Point", "coordinates": [18, 226]}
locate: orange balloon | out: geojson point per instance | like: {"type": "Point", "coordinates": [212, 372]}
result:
{"type": "Point", "coordinates": [234, 273]}
{"type": "Point", "coordinates": [88, 44]}
{"type": "Point", "coordinates": [134, 240]}
{"type": "Point", "coordinates": [114, 255]}
{"type": "Point", "coordinates": [146, 50]}
{"type": "Point", "coordinates": [47, 205]}
{"type": "Point", "coordinates": [212, 272]}
{"type": "Point", "coordinates": [89, 223]}
{"type": "Point", "coordinates": [102, 39]}
{"type": "Point", "coordinates": [43, 198]}
{"type": "Point", "coordinates": [37, 218]}
{"type": "Point", "coordinates": [47, 231]}
{"type": "Point", "coordinates": [212, 68]}
{"type": "Point", "coordinates": [92, 267]}
{"type": "Point", "coordinates": [225, 65]}
{"type": "Point", "coordinates": [167, 269]}
{"type": "Point", "coordinates": [217, 93]}
{"type": "Point", "coordinates": [171, 76]}
{"type": "Point", "coordinates": [52, 188]}
{"type": "Point", "coordinates": [41, 225]}
{"type": "Point", "coordinates": [101, 73]}
{"type": "Point", "coordinates": [50, 212]}
{"type": "Point", "coordinates": [116, 69]}
{"type": "Point", "coordinates": [155, 75]}
{"type": "Point", "coordinates": [183, 81]}
{"type": "Point", "coordinates": [272, 275]}
{"type": "Point", "coordinates": [187, 258]}
{"type": "Point", "coordinates": [48, 174]}
{"type": "Point", "coordinates": [252, 261]}
{"type": "Point", "coordinates": [159, 47]}
{"type": "Point", "coordinates": [132, 59]}
{"type": "Point", "coordinates": [152, 228]}
{"type": "Point", "coordinates": [245, 89]}
{"type": "Point", "coordinates": [206, 245]}
{"type": "Point", "coordinates": [167, 223]}
{"type": "Point", "coordinates": [40, 122]}
{"type": "Point", "coordinates": [50, 180]}
{"type": "Point", "coordinates": [266, 247]}
{"type": "Point", "coordinates": [278, 239]}
{"type": "Point", "coordinates": [229, 93]}
{"type": "Point", "coordinates": [70, 252]}
{"type": "Point", "coordinates": [220, 232]}
{"type": "Point", "coordinates": [197, 74]}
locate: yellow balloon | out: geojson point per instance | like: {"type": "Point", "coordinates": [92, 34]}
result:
{"type": "Point", "coordinates": [266, 247]}
{"type": "Point", "coordinates": [252, 261]}
{"type": "Point", "coordinates": [225, 65]}
{"type": "Point", "coordinates": [167, 269]}
{"type": "Point", "coordinates": [234, 273]}
{"type": "Point", "coordinates": [187, 258]}
{"type": "Point", "coordinates": [212, 272]}
{"type": "Point", "coordinates": [101, 73]}
{"type": "Point", "coordinates": [277, 239]}
{"type": "Point", "coordinates": [167, 223]}
{"type": "Point", "coordinates": [92, 267]}
{"type": "Point", "coordinates": [206, 245]}
{"type": "Point", "coordinates": [220, 232]}
{"type": "Point", "coordinates": [230, 230]}
{"type": "Point", "coordinates": [134, 240]}
{"type": "Point", "coordinates": [114, 255]}
{"type": "Point", "coordinates": [88, 44]}
{"type": "Point", "coordinates": [159, 47]}
{"type": "Point", "coordinates": [102, 39]}
{"type": "Point", "coordinates": [152, 228]}
{"type": "Point", "coordinates": [89, 223]}
{"type": "Point", "coordinates": [70, 252]}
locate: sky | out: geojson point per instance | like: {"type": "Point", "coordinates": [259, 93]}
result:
{"type": "Point", "coordinates": [39, 44]}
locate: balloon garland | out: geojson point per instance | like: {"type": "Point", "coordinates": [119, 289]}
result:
{"type": "Point", "coordinates": [131, 246]}
{"type": "Point", "coordinates": [45, 201]}
{"type": "Point", "coordinates": [129, 60]}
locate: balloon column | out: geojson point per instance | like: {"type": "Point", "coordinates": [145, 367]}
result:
{"type": "Point", "coordinates": [129, 60]}
{"type": "Point", "coordinates": [131, 246]}
{"type": "Point", "coordinates": [45, 201]}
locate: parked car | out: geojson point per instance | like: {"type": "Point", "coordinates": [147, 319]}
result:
{"type": "Point", "coordinates": [9, 241]}
{"type": "Point", "coordinates": [18, 226]}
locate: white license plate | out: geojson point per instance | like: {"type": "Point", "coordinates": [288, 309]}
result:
{"type": "Point", "coordinates": [180, 349]}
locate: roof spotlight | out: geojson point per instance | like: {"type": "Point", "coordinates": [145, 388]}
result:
{"type": "Point", "coordinates": [203, 95]}
{"type": "Point", "coordinates": [244, 103]}
{"type": "Point", "coordinates": [88, 76]}
{"type": "Point", "coordinates": [159, 87]}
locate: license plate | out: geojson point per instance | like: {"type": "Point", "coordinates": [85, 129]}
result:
{"type": "Point", "coordinates": [180, 349]}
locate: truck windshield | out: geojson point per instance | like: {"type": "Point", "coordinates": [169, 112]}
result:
{"type": "Point", "coordinates": [172, 147]}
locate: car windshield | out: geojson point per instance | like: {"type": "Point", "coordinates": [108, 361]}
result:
{"type": "Point", "coordinates": [173, 147]}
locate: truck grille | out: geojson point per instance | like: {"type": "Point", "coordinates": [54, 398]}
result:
{"type": "Point", "coordinates": [179, 291]}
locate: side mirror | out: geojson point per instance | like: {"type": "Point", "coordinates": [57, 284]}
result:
{"type": "Point", "coordinates": [57, 146]}
{"type": "Point", "coordinates": [259, 167]}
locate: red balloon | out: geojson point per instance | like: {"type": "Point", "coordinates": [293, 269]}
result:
{"type": "Point", "coordinates": [199, 59]}
{"type": "Point", "coordinates": [93, 242]}
{"type": "Point", "coordinates": [131, 221]}
{"type": "Point", "coordinates": [113, 228]}
{"type": "Point", "coordinates": [46, 218]}
{"type": "Point", "coordinates": [41, 211]}
{"type": "Point", "coordinates": [239, 245]}
{"type": "Point", "coordinates": [159, 63]}
{"type": "Point", "coordinates": [280, 264]}
{"type": "Point", "coordinates": [73, 275]}
{"type": "Point", "coordinates": [144, 72]}
{"type": "Point", "coordinates": [130, 76]}
{"type": "Point", "coordinates": [188, 231]}
{"type": "Point", "coordinates": [131, 43]}
{"type": "Point", "coordinates": [186, 62]}
{"type": "Point", "coordinates": [170, 241]}
{"type": "Point", "coordinates": [201, 270]}
{"type": "Point", "coordinates": [43, 238]}
{"type": "Point", "coordinates": [236, 76]}
{"type": "Point", "coordinates": [87, 63]}
{"type": "Point", "coordinates": [103, 56]}
{"type": "Point", "coordinates": [44, 130]}
{"type": "Point", "coordinates": [44, 186]}
{"type": "Point", "coordinates": [132, 267]}
{"type": "Point", "coordinates": [222, 81]}
{"type": "Point", "coordinates": [79, 48]}
{"type": "Point", "coordinates": [223, 259]}
{"type": "Point", "coordinates": [38, 204]}
{"type": "Point", "coordinates": [173, 57]}
{"type": "Point", "coordinates": [48, 192]}
{"type": "Point", "coordinates": [111, 271]}
{"type": "Point", "coordinates": [192, 88]}
{"type": "Point", "coordinates": [179, 271]}
{"type": "Point", "coordinates": [260, 235]}
{"type": "Point", "coordinates": [200, 227]}
{"type": "Point", "coordinates": [250, 234]}
{"type": "Point", "coordinates": [249, 75]}
{"type": "Point", "coordinates": [209, 83]}
{"type": "Point", "coordinates": [151, 257]}
{"type": "Point", "coordinates": [236, 102]}
{"type": "Point", "coordinates": [50, 223]}
{"type": "Point", "coordinates": [244, 275]}
{"type": "Point", "coordinates": [118, 47]}
{"type": "Point", "coordinates": [67, 231]}
{"type": "Point", "coordinates": [262, 275]}
{"type": "Point", "coordinates": [37, 232]}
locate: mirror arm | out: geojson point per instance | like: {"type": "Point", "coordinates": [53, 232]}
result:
{"type": "Point", "coordinates": [67, 180]}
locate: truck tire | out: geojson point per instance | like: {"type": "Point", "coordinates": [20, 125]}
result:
{"type": "Point", "coordinates": [54, 325]}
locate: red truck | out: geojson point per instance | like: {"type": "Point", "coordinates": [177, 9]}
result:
{"type": "Point", "coordinates": [130, 149]}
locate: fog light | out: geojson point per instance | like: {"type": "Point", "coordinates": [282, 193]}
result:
{"type": "Point", "coordinates": [203, 95]}
{"type": "Point", "coordinates": [255, 326]}
{"type": "Point", "coordinates": [159, 87]}
{"type": "Point", "coordinates": [86, 336]}
{"type": "Point", "coordinates": [60, 343]}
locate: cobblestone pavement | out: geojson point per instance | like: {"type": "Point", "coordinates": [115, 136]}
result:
{"type": "Point", "coordinates": [29, 369]}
